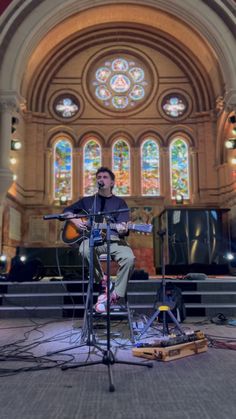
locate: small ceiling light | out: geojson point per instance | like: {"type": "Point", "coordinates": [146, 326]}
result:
{"type": "Point", "coordinates": [23, 258]}
{"type": "Point", "coordinates": [16, 145]}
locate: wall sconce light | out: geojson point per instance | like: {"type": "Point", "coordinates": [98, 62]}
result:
{"type": "Point", "coordinates": [230, 143]}
{"type": "Point", "coordinates": [13, 160]}
{"type": "Point", "coordinates": [233, 160]}
{"type": "Point", "coordinates": [14, 177]}
{"type": "Point", "coordinates": [63, 200]}
{"type": "Point", "coordinates": [3, 263]}
{"type": "Point", "coordinates": [179, 199]}
{"type": "Point", "coordinates": [16, 145]}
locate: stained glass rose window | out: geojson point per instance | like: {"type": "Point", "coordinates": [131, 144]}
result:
{"type": "Point", "coordinates": [120, 83]}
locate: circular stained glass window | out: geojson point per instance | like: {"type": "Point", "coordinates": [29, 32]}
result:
{"type": "Point", "coordinates": [120, 83]}
{"type": "Point", "coordinates": [66, 106]}
{"type": "Point", "coordinates": [174, 105]}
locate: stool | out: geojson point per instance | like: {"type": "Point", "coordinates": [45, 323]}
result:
{"type": "Point", "coordinates": [119, 310]}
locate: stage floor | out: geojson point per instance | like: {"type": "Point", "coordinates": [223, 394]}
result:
{"type": "Point", "coordinates": [33, 384]}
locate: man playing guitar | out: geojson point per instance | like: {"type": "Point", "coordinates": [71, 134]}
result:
{"type": "Point", "coordinates": [105, 201]}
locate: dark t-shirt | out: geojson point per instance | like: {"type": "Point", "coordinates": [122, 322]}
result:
{"type": "Point", "coordinates": [97, 203]}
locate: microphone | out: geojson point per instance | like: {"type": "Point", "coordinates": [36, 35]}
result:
{"type": "Point", "coordinates": [100, 184]}
{"type": "Point", "coordinates": [61, 217]}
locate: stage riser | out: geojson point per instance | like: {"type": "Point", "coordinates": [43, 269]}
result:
{"type": "Point", "coordinates": [59, 298]}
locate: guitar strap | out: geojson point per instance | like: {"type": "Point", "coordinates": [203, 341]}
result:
{"type": "Point", "coordinates": [99, 218]}
{"type": "Point", "coordinates": [103, 201]}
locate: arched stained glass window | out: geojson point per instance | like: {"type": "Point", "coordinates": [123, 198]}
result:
{"type": "Point", "coordinates": [62, 158]}
{"type": "Point", "coordinates": [121, 167]}
{"type": "Point", "coordinates": [150, 168]}
{"type": "Point", "coordinates": [179, 168]}
{"type": "Point", "coordinates": [92, 161]}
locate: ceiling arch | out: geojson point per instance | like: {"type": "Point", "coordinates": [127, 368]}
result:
{"type": "Point", "coordinates": [48, 24]}
{"type": "Point", "coordinates": [138, 35]}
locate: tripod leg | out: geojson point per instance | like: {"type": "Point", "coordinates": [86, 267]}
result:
{"type": "Point", "coordinates": [84, 332]}
{"type": "Point", "coordinates": [165, 329]}
{"type": "Point", "coordinates": [176, 322]}
{"type": "Point", "coordinates": [110, 375]}
{"type": "Point", "coordinates": [151, 320]}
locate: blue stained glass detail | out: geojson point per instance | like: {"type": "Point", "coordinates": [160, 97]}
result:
{"type": "Point", "coordinates": [120, 102]}
{"type": "Point", "coordinates": [120, 83]}
{"type": "Point", "coordinates": [66, 107]}
{"type": "Point", "coordinates": [137, 74]}
{"type": "Point", "coordinates": [103, 93]}
{"type": "Point", "coordinates": [120, 64]}
{"type": "Point", "coordinates": [137, 92]}
{"type": "Point", "coordinates": [174, 106]}
{"type": "Point", "coordinates": [102, 74]}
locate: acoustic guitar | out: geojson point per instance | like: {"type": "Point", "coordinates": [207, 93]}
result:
{"type": "Point", "coordinates": [71, 235]}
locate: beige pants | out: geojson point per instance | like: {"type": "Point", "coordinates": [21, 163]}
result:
{"type": "Point", "coordinates": [120, 252]}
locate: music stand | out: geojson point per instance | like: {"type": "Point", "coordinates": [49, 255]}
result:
{"type": "Point", "coordinates": [163, 308]}
{"type": "Point", "coordinates": [108, 358]}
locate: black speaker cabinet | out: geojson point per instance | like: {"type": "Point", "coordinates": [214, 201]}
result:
{"type": "Point", "coordinates": [197, 238]}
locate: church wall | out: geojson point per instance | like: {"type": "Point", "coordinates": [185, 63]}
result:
{"type": "Point", "coordinates": [212, 181]}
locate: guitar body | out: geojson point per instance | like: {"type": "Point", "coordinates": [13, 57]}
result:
{"type": "Point", "coordinates": [71, 235]}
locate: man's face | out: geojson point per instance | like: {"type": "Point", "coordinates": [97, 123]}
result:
{"type": "Point", "coordinates": [105, 178]}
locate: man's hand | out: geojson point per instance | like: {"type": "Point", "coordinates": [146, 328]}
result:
{"type": "Point", "coordinates": [78, 222]}
{"type": "Point", "coordinates": [122, 228]}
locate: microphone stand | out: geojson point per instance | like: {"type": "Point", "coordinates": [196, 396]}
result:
{"type": "Point", "coordinates": [163, 307]}
{"type": "Point", "coordinates": [108, 358]}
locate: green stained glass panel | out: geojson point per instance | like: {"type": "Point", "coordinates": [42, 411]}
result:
{"type": "Point", "coordinates": [150, 170]}
{"type": "Point", "coordinates": [179, 167]}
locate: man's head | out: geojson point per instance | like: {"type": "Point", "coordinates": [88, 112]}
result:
{"type": "Point", "coordinates": [105, 177]}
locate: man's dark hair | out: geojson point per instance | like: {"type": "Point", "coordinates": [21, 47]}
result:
{"type": "Point", "coordinates": [105, 169]}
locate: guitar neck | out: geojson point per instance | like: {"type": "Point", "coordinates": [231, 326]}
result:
{"type": "Point", "coordinates": [103, 226]}
{"type": "Point", "coordinates": [145, 228]}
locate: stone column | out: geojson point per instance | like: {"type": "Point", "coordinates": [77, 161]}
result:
{"type": "Point", "coordinates": [165, 174]}
{"type": "Point", "coordinates": [6, 176]}
{"type": "Point", "coordinates": [48, 176]}
{"type": "Point", "coordinates": [194, 175]}
{"type": "Point", "coordinates": [77, 162]}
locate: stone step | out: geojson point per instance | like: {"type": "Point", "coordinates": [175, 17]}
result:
{"type": "Point", "coordinates": [209, 296]}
